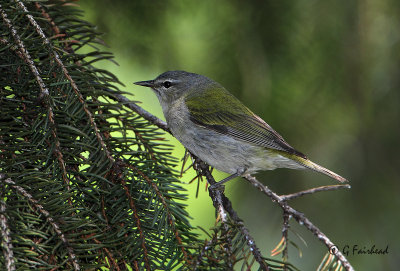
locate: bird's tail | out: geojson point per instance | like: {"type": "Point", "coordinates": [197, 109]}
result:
{"type": "Point", "coordinates": [311, 165]}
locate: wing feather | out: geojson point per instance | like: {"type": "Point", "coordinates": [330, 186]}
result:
{"type": "Point", "coordinates": [236, 121]}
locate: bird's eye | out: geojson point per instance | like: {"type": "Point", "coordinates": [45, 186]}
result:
{"type": "Point", "coordinates": [167, 84]}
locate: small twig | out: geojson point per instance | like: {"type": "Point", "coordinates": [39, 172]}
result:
{"type": "Point", "coordinates": [134, 107]}
{"type": "Point", "coordinates": [203, 251]}
{"type": "Point", "coordinates": [314, 190]}
{"type": "Point", "coordinates": [113, 264]}
{"type": "Point", "coordinates": [24, 52]}
{"type": "Point", "coordinates": [218, 197]}
{"type": "Point", "coordinates": [285, 230]}
{"type": "Point", "coordinates": [300, 218]}
{"type": "Point", "coordinates": [215, 194]}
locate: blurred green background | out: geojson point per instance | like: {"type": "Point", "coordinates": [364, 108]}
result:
{"type": "Point", "coordinates": [324, 74]}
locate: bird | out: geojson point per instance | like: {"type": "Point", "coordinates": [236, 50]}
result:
{"type": "Point", "coordinates": [220, 130]}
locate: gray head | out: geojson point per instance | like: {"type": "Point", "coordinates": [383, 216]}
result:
{"type": "Point", "coordinates": [172, 85]}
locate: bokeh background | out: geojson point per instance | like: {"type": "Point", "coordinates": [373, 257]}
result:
{"type": "Point", "coordinates": [324, 73]}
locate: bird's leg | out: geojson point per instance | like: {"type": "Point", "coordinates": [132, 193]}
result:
{"type": "Point", "coordinates": [218, 185]}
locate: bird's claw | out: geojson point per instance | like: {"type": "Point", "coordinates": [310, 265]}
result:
{"type": "Point", "coordinates": [217, 187]}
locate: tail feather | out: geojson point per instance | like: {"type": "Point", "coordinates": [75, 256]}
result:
{"type": "Point", "coordinates": [305, 162]}
{"type": "Point", "coordinates": [311, 165]}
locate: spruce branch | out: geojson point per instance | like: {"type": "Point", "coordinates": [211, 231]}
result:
{"type": "Point", "coordinates": [61, 141]}
{"type": "Point", "coordinates": [171, 219]}
{"type": "Point", "coordinates": [138, 224]}
{"type": "Point", "coordinates": [46, 214]}
{"type": "Point", "coordinates": [68, 76]}
{"type": "Point", "coordinates": [24, 53]}
{"type": "Point", "coordinates": [44, 95]}
{"type": "Point", "coordinates": [205, 247]}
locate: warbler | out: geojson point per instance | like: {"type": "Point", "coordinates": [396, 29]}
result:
{"type": "Point", "coordinates": [216, 127]}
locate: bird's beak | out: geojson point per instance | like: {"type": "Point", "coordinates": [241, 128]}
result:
{"type": "Point", "coordinates": [149, 83]}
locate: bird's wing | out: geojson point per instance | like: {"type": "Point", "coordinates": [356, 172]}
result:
{"type": "Point", "coordinates": [234, 120]}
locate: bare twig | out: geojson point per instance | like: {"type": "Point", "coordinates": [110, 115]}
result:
{"type": "Point", "coordinates": [314, 190]}
{"type": "Point", "coordinates": [300, 218]}
{"type": "Point", "coordinates": [285, 230]}
{"type": "Point", "coordinates": [145, 114]}
{"type": "Point", "coordinates": [215, 194]}
{"type": "Point", "coordinates": [221, 201]}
